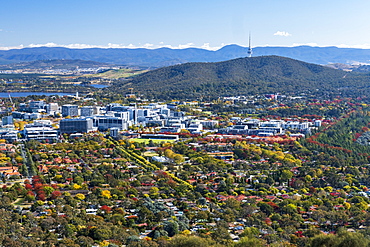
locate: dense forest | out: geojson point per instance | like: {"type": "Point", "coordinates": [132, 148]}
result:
{"type": "Point", "coordinates": [265, 74]}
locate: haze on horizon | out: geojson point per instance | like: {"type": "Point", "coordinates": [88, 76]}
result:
{"type": "Point", "coordinates": [208, 24]}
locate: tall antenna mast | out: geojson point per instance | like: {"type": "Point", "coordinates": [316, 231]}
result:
{"type": "Point", "coordinates": [249, 48]}
{"type": "Point", "coordinates": [13, 105]}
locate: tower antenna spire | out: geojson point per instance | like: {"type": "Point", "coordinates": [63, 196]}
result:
{"type": "Point", "coordinates": [250, 47]}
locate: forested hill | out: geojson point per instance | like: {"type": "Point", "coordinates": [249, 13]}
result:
{"type": "Point", "coordinates": [265, 74]}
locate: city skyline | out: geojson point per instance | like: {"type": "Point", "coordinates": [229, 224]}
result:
{"type": "Point", "coordinates": [206, 24]}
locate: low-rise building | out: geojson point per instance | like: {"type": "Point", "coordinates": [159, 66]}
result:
{"type": "Point", "coordinates": [69, 110]}
{"type": "Point", "coordinates": [104, 123]}
{"type": "Point", "coordinates": [40, 133]}
{"type": "Point", "coordinates": [76, 125]}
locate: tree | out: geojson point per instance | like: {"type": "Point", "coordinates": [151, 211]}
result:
{"type": "Point", "coordinates": [178, 158]}
{"type": "Point", "coordinates": [55, 194]}
{"type": "Point", "coordinates": [145, 214]}
{"type": "Point", "coordinates": [250, 242]}
{"type": "Point", "coordinates": [286, 175]}
{"type": "Point", "coordinates": [250, 232]}
{"type": "Point", "coordinates": [232, 203]}
{"type": "Point", "coordinates": [190, 241]}
{"type": "Point", "coordinates": [343, 238]}
{"type": "Point", "coordinates": [106, 194]}
{"type": "Point", "coordinates": [266, 208]}
{"type": "Point", "coordinates": [221, 233]}
{"type": "Point", "coordinates": [171, 227]}
{"type": "Point", "coordinates": [48, 190]}
{"type": "Point", "coordinates": [290, 208]}
{"type": "Point", "coordinates": [23, 170]}
{"type": "Point", "coordinates": [169, 153]}
{"type": "Point", "coordinates": [80, 196]}
{"type": "Point", "coordinates": [308, 179]}
{"type": "Point", "coordinates": [84, 241]}
{"type": "Point", "coordinates": [101, 233]}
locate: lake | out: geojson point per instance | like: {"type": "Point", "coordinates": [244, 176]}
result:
{"type": "Point", "coordinates": [92, 85]}
{"type": "Point", "coordinates": [98, 85]}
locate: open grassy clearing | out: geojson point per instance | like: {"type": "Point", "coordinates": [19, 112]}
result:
{"type": "Point", "coordinates": [146, 141]}
{"type": "Point", "coordinates": [117, 74]}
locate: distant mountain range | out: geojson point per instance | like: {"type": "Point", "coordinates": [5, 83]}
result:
{"type": "Point", "coordinates": [66, 64]}
{"type": "Point", "coordinates": [154, 58]}
{"type": "Point", "coordinates": [245, 76]}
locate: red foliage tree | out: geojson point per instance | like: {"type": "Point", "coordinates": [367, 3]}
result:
{"type": "Point", "coordinates": [105, 208]}
{"type": "Point", "coordinates": [55, 194]}
{"type": "Point", "coordinates": [30, 193]}
{"type": "Point", "coordinates": [38, 186]}
{"type": "Point", "coordinates": [28, 186]}
{"type": "Point", "coordinates": [41, 196]}
{"type": "Point", "coordinates": [54, 186]}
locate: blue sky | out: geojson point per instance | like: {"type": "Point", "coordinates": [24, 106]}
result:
{"type": "Point", "coordinates": [180, 24]}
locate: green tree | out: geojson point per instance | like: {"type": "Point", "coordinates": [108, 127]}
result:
{"type": "Point", "coordinates": [250, 242]}
{"type": "Point", "coordinates": [171, 227]}
{"type": "Point", "coordinates": [343, 238]}
{"type": "Point", "coordinates": [286, 175]}
{"type": "Point", "coordinates": [190, 241]}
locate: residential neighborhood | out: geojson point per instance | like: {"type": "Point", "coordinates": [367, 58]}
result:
{"type": "Point", "coordinates": [154, 172]}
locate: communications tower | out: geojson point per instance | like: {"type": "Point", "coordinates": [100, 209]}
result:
{"type": "Point", "coordinates": [249, 48]}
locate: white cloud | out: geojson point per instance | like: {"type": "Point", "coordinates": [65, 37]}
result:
{"type": "Point", "coordinates": [306, 44]}
{"type": "Point", "coordinates": [110, 45]}
{"type": "Point", "coordinates": [180, 46]}
{"type": "Point", "coordinates": [358, 46]}
{"type": "Point", "coordinates": [43, 45]}
{"type": "Point", "coordinates": [363, 46]}
{"type": "Point", "coordinates": [5, 48]}
{"type": "Point", "coordinates": [148, 46]}
{"type": "Point", "coordinates": [206, 46]}
{"type": "Point", "coordinates": [282, 33]}
{"type": "Point", "coordinates": [188, 45]}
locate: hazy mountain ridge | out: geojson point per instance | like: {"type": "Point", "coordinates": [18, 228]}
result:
{"type": "Point", "coordinates": [165, 57]}
{"type": "Point", "coordinates": [54, 64]}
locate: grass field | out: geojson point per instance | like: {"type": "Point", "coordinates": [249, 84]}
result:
{"type": "Point", "coordinates": [150, 154]}
{"type": "Point", "coordinates": [117, 74]}
{"type": "Point", "coordinates": [139, 140]}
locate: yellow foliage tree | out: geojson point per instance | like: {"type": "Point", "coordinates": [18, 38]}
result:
{"type": "Point", "coordinates": [169, 153]}
{"type": "Point", "coordinates": [77, 187]}
{"type": "Point", "coordinates": [19, 159]}
{"type": "Point", "coordinates": [106, 194]}
{"type": "Point", "coordinates": [80, 196]}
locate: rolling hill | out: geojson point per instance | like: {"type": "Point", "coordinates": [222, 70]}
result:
{"type": "Point", "coordinates": [242, 76]}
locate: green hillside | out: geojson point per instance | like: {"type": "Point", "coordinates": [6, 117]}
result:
{"type": "Point", "coordinates": [265, 74]}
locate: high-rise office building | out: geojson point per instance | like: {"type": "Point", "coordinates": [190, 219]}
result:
{"type": "Point", "coordinates": [69, 110]}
